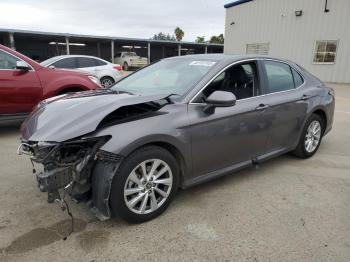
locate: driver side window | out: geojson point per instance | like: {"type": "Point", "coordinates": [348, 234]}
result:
{"type": "Point", "coordinates": [241, 80]}
{"type": "Point", "coordinates": [7, 62]}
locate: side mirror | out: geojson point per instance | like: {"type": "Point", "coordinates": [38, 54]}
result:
{"type": "Point", "coordinates": [219, 99]}
{"type": "Point", "coordinates": [21, 65]}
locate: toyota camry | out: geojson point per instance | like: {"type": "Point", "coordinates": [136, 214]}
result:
{"type": "Point", "coordinates": [176, 123]}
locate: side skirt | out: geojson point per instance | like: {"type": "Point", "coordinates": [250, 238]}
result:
{"type": "Point", "coordinates": [234, 168]}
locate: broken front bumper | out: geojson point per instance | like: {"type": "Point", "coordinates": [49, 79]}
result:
{"type": "Point", "coordinates": [74, 167]}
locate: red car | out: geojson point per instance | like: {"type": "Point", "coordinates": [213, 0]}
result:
{"type": "Point", "coordinates": [24, 83]}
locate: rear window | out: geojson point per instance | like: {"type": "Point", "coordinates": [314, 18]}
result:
{"type": "Point", "coordinates": [298, 80]}
{"type": "Point", "coordinates": [86, 62]}
{"type": "Point", "coordinates": [69, 63]}
{"type": "Point", "coordinates": [279, 76]}
{"type": "Point", "coordinates": [100, 62]}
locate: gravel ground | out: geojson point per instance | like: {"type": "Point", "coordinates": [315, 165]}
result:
{"type": "Point", "coordinates": [286, 210]}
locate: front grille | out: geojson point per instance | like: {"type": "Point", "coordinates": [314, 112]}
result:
{"type": "Point", "coordinates": [107, 156]}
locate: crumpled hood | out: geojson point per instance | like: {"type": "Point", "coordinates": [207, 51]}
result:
{"type": "Point", "coordinates": [68, 116]}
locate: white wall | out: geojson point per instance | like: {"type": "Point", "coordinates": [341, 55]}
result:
{"type": "Point", "coordinates": [291, 37]}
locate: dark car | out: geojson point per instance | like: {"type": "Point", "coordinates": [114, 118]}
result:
{"type": "Point", "coordinates": [175, 123]}
{"type": "Point", "coordinates": [24, 83]}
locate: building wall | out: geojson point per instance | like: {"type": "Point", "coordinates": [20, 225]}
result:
{"type": "Point", "coordinates": [291, 37]}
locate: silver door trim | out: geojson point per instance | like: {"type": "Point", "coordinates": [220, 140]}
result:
{"type": "Point", "coordinates": [242, 61]}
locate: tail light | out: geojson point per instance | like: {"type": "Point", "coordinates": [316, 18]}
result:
{"type": "Point", "coordinates": [118, 67]}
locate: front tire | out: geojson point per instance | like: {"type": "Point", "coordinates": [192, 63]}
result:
{"type": "Point", "coordinates": [145, 184]}
{"type": "Point", "coordinates": [311, 137]}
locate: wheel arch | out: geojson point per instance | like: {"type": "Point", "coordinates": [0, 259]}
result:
{"type": "Point", "coordinates": [71, 88]}
{"type": "Point", "coordinates": [321, 113]}
{"type": "Point", "coordinates": [169, 146]}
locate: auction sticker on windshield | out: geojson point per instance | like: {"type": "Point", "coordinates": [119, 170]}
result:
{"type": "Point", "coordinates": [202, 63]}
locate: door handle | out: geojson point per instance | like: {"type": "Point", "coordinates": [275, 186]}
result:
{"type": "Point", "coordinates": [261, 107]}
{"type": "Point", "coordinates": [305, 97]}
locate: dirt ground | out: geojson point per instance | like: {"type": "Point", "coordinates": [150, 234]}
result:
{"type": "Point", "coordinates": [287, 210]}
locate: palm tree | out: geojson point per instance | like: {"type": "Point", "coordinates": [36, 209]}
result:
{"type": "Point", "coordinates": [200, 39]}
{"type": "Point", "coordinates": [179, 33]}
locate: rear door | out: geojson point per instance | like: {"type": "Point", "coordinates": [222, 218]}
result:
{"type": "Point", "coordinates": [88, 64]}
{"type": "Point", "coordinates": [287, 105]}
{"type": "Point", "coordinates": [20, 90]}
{"type": "Point", "coordinates": [66, 63]}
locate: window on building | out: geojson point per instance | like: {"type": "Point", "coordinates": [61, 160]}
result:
{"type": "Point", "coordinates": [258, 49]}
{"type": "Point", "coordinates": [325, 51]}
{"type": "Point", "coordinates": [279, 76]}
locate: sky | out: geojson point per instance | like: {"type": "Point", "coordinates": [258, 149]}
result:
{"type": "Point", "coordinates": [132, 18]}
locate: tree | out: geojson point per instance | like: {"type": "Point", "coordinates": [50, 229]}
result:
{"type": "Point", "coordinates": [163, 36]}
{"type": "Point", "coordinates": [217, 39]}
{"type": "Point", "coordinates": [200, 39]}
{"type": "Point", "coordinates": [179, 33]}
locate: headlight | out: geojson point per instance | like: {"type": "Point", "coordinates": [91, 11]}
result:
{"type": "Point", "coordinates": [95, 80]}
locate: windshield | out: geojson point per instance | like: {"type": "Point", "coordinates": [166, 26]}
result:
{"type": "Point", "coordinates": [130, 54]}
{"type": "Point", "coordinates": [170, 76]}
{"type": "Point", "coordinates": [49, 61]}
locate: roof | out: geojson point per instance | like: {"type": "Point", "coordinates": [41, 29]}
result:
{"type": "Point", "coordinates": [144, 40]}
{"type": "Point", "coordinates": [237, 2]}
{"type": "Point", "coordinates": [226, 57]}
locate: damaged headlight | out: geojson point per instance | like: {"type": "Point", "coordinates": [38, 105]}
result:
{"type": "Point", "coordinates": [63, 153]}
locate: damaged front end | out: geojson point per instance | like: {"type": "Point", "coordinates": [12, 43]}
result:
{"type": "Point", "coordinates": [67, 166]}
{"type": "Point", "coordinates": [75, 163]}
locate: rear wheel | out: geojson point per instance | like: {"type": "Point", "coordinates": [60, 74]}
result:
{"type": "Point", "coordinates": [145, 184]}
{"type": "Point", "coordinates": [126, 66]}
{"type": "Point", "coordinates": [311, 137]}
{"type": "Point", "coordinates": [107, 81]}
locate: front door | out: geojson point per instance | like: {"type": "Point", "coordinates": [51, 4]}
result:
{"type": "Point", "coordinates": [20, 90]}
{"type": "Point", "coordinates": [231, 135]}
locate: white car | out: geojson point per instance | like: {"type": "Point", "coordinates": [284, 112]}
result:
{"type": "Point", "coordinates": [106, 72]}
{"type": "Point", "coordinates": [130, 59]}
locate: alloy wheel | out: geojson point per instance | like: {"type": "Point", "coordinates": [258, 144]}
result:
{"type": "Point", "coordinates": [148, 186]}
{"type": "Point", "coordinates": [313, 136]}
{"type": "Point", "coordinates": [106, 82]}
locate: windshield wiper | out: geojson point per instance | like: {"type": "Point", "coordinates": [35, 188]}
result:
{"type": "Point", "coordinates": [169, 97]}
{"type": "Point", "coordinates": [121, 92]}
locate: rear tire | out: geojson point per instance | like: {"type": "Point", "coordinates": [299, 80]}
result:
{"type": "Point", "coordinates": [107, 81]}
{"type": "Point", "coordinates": [137, 193]}
{"type": "Point", "coordinates": [310, 138]}
{"type": "Point", "coordinates": [126, 66]}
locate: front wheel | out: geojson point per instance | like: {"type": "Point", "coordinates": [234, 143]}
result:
{"type": "Point", "coordinates": [311, 137]}
{"type": "Point", "coordinates": [145, 184]}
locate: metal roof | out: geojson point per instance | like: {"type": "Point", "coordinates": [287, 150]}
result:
{"type": "Point", "coordinates": [144, 40]}
{"type": "Point", "coordinates": [237, 2]}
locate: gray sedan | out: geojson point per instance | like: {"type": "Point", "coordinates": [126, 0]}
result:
{"type": "Point", "coordinates": [175, 123]}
